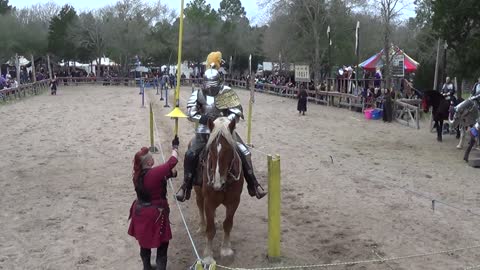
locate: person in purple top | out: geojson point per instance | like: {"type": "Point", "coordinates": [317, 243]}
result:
{"type": "Point", "coordinates": [3, 82]}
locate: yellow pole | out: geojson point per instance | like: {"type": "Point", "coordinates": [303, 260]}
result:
{"type": "Point", "coordinates": [151, 126]}
{"type": "Point", "coordinates": [249, 123]}
{"type": "Point", "coordinates": [152, 149]}
{"type": "Point", "coordinates": [274, 199]}
{"type": "Point", "coordinates": [179, 64]}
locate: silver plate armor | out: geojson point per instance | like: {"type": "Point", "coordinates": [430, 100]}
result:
{"type": "Point", "coordinates": [200, 104]}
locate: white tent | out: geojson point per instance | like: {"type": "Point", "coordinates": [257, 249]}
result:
{"type": "Point", "coordinates": [140, 69]}
{"type": "Point", "coordinates": [23, 61]}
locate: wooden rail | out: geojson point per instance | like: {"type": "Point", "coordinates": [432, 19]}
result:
{"type": "Point", "coordinates": [23, 91]}
{"type": "Point", "coordinates": [406, 111]}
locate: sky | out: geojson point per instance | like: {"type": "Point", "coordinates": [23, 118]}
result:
{"type": "Point", "coordinates": [254, 12]}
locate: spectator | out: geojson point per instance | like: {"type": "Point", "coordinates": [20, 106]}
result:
{"type": "Point", "coordinates": [302, 101]}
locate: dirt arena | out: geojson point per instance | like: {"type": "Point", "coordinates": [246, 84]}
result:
{"type": "Point", "coordinates": [66, 186]}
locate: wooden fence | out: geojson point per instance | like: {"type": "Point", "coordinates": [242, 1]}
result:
{"type": "Point", "coordinates": [23, 90]}
{"type": "Point", "coordinates": [406, 111]}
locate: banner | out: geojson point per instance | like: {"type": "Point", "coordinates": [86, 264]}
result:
{"type": "Point", "coordinates": [398, 67]}
{"type": "Point", "coordinates": [302, 73]}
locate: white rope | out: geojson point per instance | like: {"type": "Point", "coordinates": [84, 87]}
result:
{"type": "Point", "coordinates": [356, 262]}
{"type": "Point", "coordinates": [173, 191]}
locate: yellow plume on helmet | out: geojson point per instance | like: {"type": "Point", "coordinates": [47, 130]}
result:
{"type": "Point", "coordinates": [214, 59]}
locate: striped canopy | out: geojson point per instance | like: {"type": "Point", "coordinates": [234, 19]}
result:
{"type": "Point", "coordinates": [376, 61]}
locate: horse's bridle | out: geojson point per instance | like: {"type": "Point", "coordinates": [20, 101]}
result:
{"type": "Point", "coordinates": [230, 169]}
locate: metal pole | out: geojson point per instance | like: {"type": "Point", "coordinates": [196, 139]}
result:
{"type": "Point", "coordinates": [34, 76]}
{"type": "Point", "coordinates": [142, 89]}
{"type": "Point", "coordinates": [17, 67]}
{"type": "Point", "coordinates": [435, 80]}
{"type": "Point", "coordinates": [166, 98]}
{"type": "Point", "coordinates": [329, 53]}
{"type": "Point", "coordinates": [161, 90]}
{"type": "Point", "coordinates": [358, 54]}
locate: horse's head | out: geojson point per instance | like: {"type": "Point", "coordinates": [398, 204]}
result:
{"type": "Point", "coordinates": [432, 99]}
{"type": "Point", "coordinates": [427, 101]}
{"type": "Point", "coordinates": [221, 152]}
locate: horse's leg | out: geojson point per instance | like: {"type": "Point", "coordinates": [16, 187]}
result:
{"type": "Point", "coordinates": [462, 136]}
{"type": "Point", "coordinates": [439, 130]}
{"type": "Point", "coordinates": [201, 209]}
{"type": "Point", "coordinates": [469, 148]}
{"type": "Point", "coordinates": [210, 230]}
{"type": "Point", "coordinates": [226, 249]}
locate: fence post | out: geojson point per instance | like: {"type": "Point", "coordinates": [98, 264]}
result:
{"type": "Point", "coordinates": [417, 117]}
{"type": "Point", "coordinates": [274, 202]}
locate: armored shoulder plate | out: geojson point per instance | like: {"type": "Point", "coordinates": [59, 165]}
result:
{"type": "Point", "coordinates": [227, 99]}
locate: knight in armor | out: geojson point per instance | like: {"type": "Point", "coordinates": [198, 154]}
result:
{"type": "Point", "coordinates": [448, 90]}
{"type": "Point", "coordinates": [214, 100]}
{"type": "Point", "coordinates": [476, 97]}
{"type": "Point", "coordinates": [475, 130]}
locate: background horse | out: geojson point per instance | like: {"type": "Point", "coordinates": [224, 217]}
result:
{"type": "Point", "coordinates": [465, 115]}
{"type": "Point", "coordinates": [440, 110]}
{"type": "Point", "coordinates": [222, 184]}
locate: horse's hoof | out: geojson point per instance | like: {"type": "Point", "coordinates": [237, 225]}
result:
{"type": "Point", "coordinates": [226, 252]}
{"type": "Point", "coordinates": [459, 147]}
{"type": "Point", "coordinates": [439, 139]}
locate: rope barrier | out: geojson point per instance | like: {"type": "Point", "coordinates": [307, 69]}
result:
{"type": "Point", "coordinates": [357, 262]}
{"type": "Point", "coordinates": [419, 194]}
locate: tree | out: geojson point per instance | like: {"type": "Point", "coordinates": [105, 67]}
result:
{"type": "Point", "coordinates": [231, 9]}
{"type": "Point", "coordinates": [59, 42]}
{"type": "Point", "coordinates": [389, 11]}
{"type": "Point", "coordinates": [202, 25]}
{"type": "Point", "coordinates": [458, 23]}
{"type": "Point", "coordinates": [5, 7]}
{"type": "Point", "coordinates": [88, 33]}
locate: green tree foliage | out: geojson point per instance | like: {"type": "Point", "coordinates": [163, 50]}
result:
{"type": "Point", "coordinates": [230, 10]}
{"type": "Point", "coordinates": [59, 41]}
{"type": "Point", "coordinates": [5, 7]}
{"type": "Point", "coordinates": [202, 25]}
{"type": "Point", "coordinates": [458, 23]}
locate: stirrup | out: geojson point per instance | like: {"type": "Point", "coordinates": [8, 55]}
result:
{"type": "Point", "coordinates": [183, 194]}
{"type": "Point", "coordinates": [257, 191]}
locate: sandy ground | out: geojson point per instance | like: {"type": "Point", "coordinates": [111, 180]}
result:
{"type": "Point", "coordinates": [66, 187]}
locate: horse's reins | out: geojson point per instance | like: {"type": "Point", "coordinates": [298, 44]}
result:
{"type": "Point", "coordinates": [235, 156]}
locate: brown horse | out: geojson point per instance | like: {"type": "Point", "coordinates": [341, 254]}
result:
{"type": "Point", "coordinates": [222, 183]}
